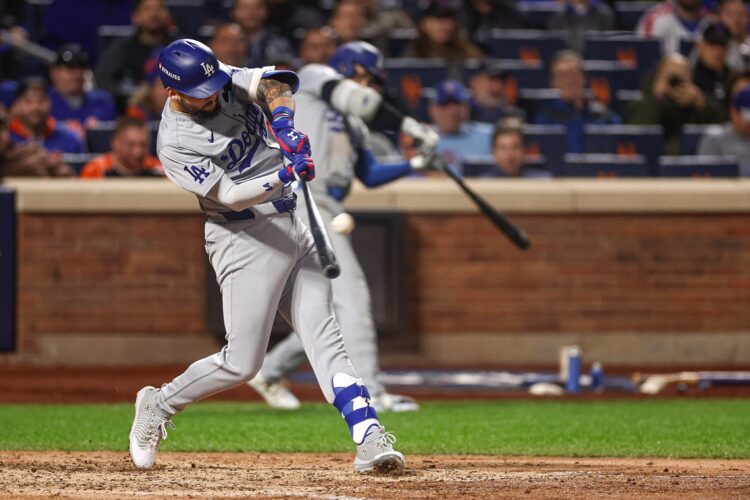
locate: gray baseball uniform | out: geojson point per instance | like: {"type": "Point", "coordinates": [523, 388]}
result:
{"type": "Point", "coordinates": [336, 141]}
{"type": "Point", "coordinates": [263, 256]}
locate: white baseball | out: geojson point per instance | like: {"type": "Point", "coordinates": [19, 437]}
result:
{"type": "Point", "coordinates": [343, 223]}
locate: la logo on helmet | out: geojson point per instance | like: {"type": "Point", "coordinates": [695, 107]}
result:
{"type": "Point", "coordinates": [208, 69]}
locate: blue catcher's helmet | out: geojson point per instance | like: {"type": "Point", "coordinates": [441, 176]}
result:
{"type": "Point", "coordinates": [190, 67]}
{"type": "Point", "coordinates": [362, 53]}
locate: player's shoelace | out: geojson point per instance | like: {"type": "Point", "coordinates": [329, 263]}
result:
{"type": "Point", "coordinates": [155, 430]}
{"type": "Point", "coordinates": [385, 441]}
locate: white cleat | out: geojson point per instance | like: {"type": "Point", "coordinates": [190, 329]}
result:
{"type": "Point", "coordinates": [275, 394]}
{"type": "Point", "coordinates": [393, 402]}
{"type": "Point", "coordinates": [149, 428]}
{"type": "Point", "coordinates": [376, 453]}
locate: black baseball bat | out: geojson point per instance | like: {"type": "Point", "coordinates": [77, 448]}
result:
{"type": "Point", "coordinates": [513, 232]}
{"type": "Point", "coordinates": [326, 256]}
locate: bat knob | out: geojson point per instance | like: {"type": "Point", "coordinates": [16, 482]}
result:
{"type": "Point", "coordinates": [332, 271]}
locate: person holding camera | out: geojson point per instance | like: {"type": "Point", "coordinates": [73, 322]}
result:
{"type": "Point", "coordinates": [671, 100]}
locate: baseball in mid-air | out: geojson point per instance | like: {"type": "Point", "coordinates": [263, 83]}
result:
{"type": "Point", "coordinates": [343, 223]}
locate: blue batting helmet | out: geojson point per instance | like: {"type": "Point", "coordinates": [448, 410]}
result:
{"type": "Point", "coordinates": [190, 67]}
{"type": "Point", "coordinates": [362, 53]}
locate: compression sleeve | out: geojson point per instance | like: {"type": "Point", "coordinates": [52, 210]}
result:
{"type": "Point", "coordinates": [241, 196]}
{"type": "Point", "coordinates": [373, 174]}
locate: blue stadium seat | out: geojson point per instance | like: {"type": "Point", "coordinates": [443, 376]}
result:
{"type": "Point", "coordinates": [604, 165]}
{"type": "Point", "coordinates": [484, 166]}
{"type": "Point", "coordinates": [408, 77]}
{"type": "Point", "coordinates": [399, 40]}
{"type": "Point", "coordinates": [547, 143]}
{"type": "Point", "coordinates": [698, 166]}
{"type": "Point", "coordinates": [623, 98]}
{"type": "Point", "coordinates": [188, 15]}
{"type": "Point", "coordinates": [526, 45]}
{"type": "Point", "coordinates": [691, 136]}
{"type": "Point", "coordinates": [641, 54]}
{"type": "Point", "coordinates": [532, 100]}
{"type": "Point", "coordinates": [99, 137]}
{"type": "Point", "coordinates": [606, 78]}
{"type": "Point", "coordinates": [527, 75]}
{"type": "Point", "coordinates": [626, 141]}
{"type": "Point", "coordinates": [628, 13]}
{"type": "Point", "coordinates": [77, 161]}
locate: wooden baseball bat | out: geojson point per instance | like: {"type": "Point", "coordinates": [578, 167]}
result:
{"type": "Point", "coordinates": [326, 255]}
{"type": "Point", "coordinates": [514, 233]}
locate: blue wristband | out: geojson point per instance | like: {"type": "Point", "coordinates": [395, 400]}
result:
{"type": "Point", "coordinates": [283, 117]}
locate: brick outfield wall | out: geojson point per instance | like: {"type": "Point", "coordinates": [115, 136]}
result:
{"type": "Point", "coordinates": [585, 273]}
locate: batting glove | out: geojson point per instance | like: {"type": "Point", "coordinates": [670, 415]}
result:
{"type": "Point", "coordinates": [301, 168]}
{"type": "Point", "coordinates": [426, 137]}
{"type": "Point", "coordinates": [292, 141]}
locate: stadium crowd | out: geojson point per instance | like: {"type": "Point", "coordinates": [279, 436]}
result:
{"type": "Point", "coordinates": [527, 88]}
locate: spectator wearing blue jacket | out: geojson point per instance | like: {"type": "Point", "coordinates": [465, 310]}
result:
{"type": "Point", "coordinates": [72, 104]}
{"type": "Point", "coordinates": [572, 107]}
{"type": "Point", "coordinates": [32, 123]}
{"type": "Point", "coordinates": [459, 137]}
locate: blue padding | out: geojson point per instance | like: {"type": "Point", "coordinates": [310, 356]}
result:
{"type": "Point", "coordinates": [360, 415]}
{"type": "Point", "coordinates": [284, 76]}
{"type": "Point", "coordinates": [347, 394]}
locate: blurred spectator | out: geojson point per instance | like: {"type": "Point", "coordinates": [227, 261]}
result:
{"type": "Point", "coordinates": [317, 46]}
{"type": "Point", "coordinates": [7, 92]}
{"type": "Point", "coordinates": [121, 65]}
{"type": "Point", "coordinates": [509, 153]}
{"type": "Point", "coordinates": [147, 102]}
{"type": "Point", "coordinates": [129, 156]}
{"type": "Point", "coordinates": [229, 44]}
{"type": "Point", "coordinates": [381, 20]}
{"type": "Point", "coordinates": [348, 21]}
{"type": "Point", "coordinates": [31, 122]}
{"type": "Point", "coordinates": [265, 45]}
{"type": "Point", "coordinates": [286, 16]}
{"type": "Point", "coordinates": [733, 14]}
{"type": "Point", "coordinates": [573, 108]}
{"type": "Point", "coordinates": [490, 86]}
{"type": "Point", "coordinates": [710, 71]}
{"type": "Point", "coordinates": [459, 137]}
{"type": "Point", "coordinates": [672, 20]}
{"type": "Point", "coordinates": [17, 160]}
{"type": "Point", "coordinates": [671, 100]}
{"type": "Point", "coordinates": [480, 17]}
{"type": "Point", "coordinates": [733, 138]}
{"type": "Point", "coordinates": [440, 36]}
{"type": "Point", "coordinates": [72, 104]}
{"type": "Point", "coordinates": [580, 17]}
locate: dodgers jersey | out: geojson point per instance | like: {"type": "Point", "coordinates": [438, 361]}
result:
{"type": "Point", "coordinates": [335, 139]}
{"type": "Point", "coordinates": [235, 141]}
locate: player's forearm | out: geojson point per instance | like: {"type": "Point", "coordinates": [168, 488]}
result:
{"type": "Point", "coordinates": [276, 94]}
{"type": "Point", "coordinates": [241, 196]}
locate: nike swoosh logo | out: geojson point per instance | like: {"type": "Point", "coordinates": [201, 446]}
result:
{"type": "Point", "coordinates": [212, 136]}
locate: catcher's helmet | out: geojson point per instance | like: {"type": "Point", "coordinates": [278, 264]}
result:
{"type": "Point", "coordinates": [362, 53]}
{"type": "Point", "coordinates": [190, 67]}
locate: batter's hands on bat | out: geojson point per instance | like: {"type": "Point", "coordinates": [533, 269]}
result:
{"type": "Point", "coordinates": [292, 141]}
{"type": "Point", "coordinates": [302, 168]}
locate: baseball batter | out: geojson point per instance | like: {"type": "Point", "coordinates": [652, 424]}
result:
{"type": "Point", "coordinates": [215, 141]}
{"type": "Point", "coordinates": [330, 113]}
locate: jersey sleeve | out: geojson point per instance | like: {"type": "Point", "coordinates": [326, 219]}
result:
{"type": "Point", "coordinates": [191, 171]}
{"type": "Point", "coordinates": [313, 77]}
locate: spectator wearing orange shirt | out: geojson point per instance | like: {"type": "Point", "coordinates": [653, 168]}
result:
{"type": "Point", "coordinates": [129, 156]}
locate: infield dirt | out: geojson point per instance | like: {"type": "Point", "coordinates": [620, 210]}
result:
{"type": "Point", "coordinates": [330, 476]}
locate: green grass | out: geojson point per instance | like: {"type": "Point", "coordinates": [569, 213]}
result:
{"type": "Point", "coordinates": [717, 428]}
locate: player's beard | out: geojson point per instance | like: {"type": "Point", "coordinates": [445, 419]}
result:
{"type": "Point", "coordinates": [203, 112]}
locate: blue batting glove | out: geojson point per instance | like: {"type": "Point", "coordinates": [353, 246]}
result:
{"type": "Point", "coordinates": [292, 141]}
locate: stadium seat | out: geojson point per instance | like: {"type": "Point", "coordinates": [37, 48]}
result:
{"type": "Point", "coordinates": [547, 144]}
{"type": "Point", "coordinates": [604, 165]}
{"type": "Point", "coordinates": [691, 136]}
{"type": "Point", "coordinates": [526, 75]}
{"type": "Point", "coordinates": [188, 15]}
{"type": "Point", "coordinates": [698, 166]}
{"type": "Point", "coordinates": [623, 98]}
{"type": "Point", "coordinates": [527, 45]}
{"type": "Point", "coordinates": [532, 100]}
{"type": "Point", "coordinates": [409, 76]}
{"type": "Point", "coordinates": [399, 40]}
{"type": "Point", "coordinates": [626, 141]}
{"type": "Point", "coordinates": [107, 33]}
{"type": "Point", "coordinates": [686, 46]}
{"type": "Point", "coordinates": [639, 53]}
{"type": "Point", "coordinates": [77, 161]}
{"type": "Point", "coordinates": [606, 78]}
{"type": "Point", "coordinates": [484, 166]}
{"type": "Point", "coordinates": [628, 13]}
{"type": "Point", "coordinates": [99, 137]}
